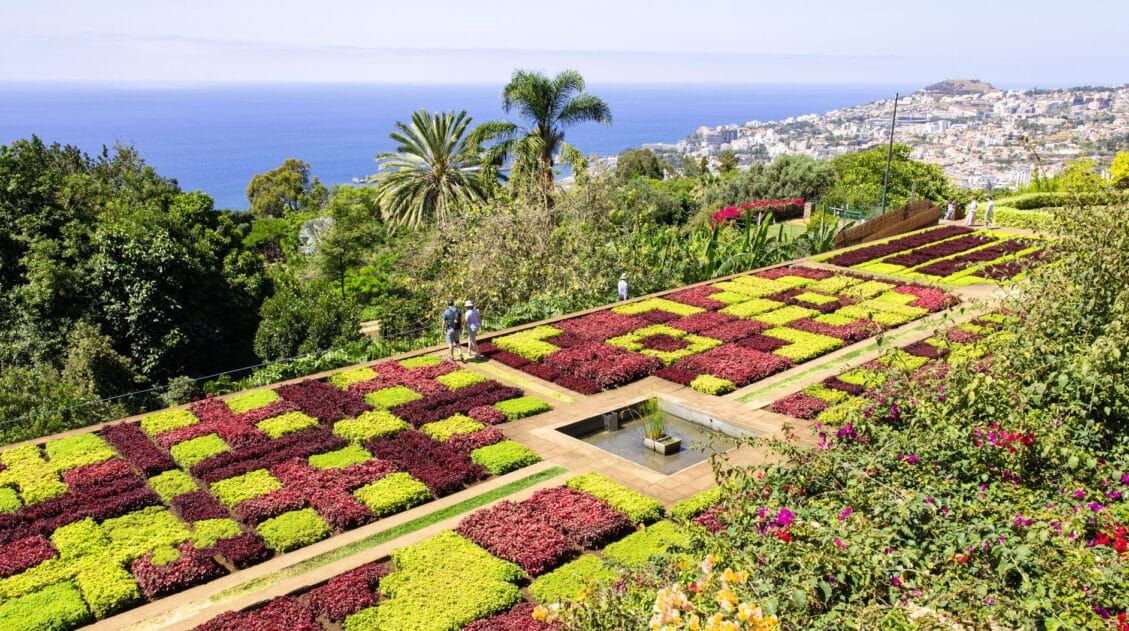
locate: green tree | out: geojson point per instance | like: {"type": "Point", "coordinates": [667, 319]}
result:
{"type": "Point", "coordinates": [92, 362]}
{"type": "Point", "coordinates": [548, 105]}
{"type": "Point", "coordinates": [434, 170]}
{"type": "Point", "coordinates": [303, 318]}
{"type": "Point", "coordinates": [1080, 176]}
{"type": "Point", "coordinates": [289, 188]}
{"type": "Point", "coordinates": [786, 177]}
{"type": "Point", "coordinates": [1119, 170]}
{"type": "Point", "coordinates": [356, 230]}
{"type": "Point", "coordinates": [860, 177]}
{"type": "Point", "coordinates": [639, 163]}
{"type": "Point", "coordinates": [727, 162]}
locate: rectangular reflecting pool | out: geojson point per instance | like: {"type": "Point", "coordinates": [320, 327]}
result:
{"type": "Point", "coordinates": [627, 440]}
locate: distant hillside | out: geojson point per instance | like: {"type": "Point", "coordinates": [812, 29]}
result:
{"type": "Point", "coordinates": [960, 86]}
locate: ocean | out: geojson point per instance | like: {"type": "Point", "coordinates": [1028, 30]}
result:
{"type": "Point", "coordinates": [216, 138]}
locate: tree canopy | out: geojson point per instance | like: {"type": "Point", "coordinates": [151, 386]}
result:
{"type": "Point", "coordinates": [288, 188]}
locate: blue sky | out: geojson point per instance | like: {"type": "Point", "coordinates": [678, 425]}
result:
{"type": "Point", "coordinates": [1008, 42]}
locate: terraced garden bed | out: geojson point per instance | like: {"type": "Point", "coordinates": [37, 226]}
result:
{"type": "Point", "coordinates": [835, 399]}
{"type": "Point", "coordinates": [953, 255]}
{"type": "Point", "coordinates": [489, 572]}
{"type": "Point", "coordinates": [94, 524]}
{"type": "Point", "coordinates": [720, 336]}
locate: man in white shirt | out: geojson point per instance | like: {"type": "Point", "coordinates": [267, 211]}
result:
{"type": "Point", "coordinates": [623, 286]}
{"type": "Point", "coordinates": [988, 213]}
{"type": "Point", "coordinates": [970, 218]}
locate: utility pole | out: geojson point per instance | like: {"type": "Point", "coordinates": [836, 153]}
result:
{"type": "Point", "coordinates": [889, 153]}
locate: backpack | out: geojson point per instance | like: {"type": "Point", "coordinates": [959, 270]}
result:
{"type": "Point", "coordinates": [452, 318]}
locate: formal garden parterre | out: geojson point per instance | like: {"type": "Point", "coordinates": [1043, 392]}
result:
{"type": "Point", "coordinates": [952, 255]}
{"type": "Point", "coordinates": [96, 523]}
{"type": "Point", "coordinates": [719, 336]}
{"type": "Point", "coordinates": [503, 567]}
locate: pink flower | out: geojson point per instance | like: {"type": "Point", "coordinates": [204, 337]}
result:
{"type": "Point", "coordinates": [845, 513]}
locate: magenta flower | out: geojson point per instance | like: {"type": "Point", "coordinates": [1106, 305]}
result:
{"type": "Point", "coordinates": [845, 513]}
{"type": "Point", "coordinates": [784, 518]}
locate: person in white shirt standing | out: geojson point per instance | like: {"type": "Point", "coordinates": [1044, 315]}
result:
{"type": "Point", "coordinates": [970, 218]}
{"type": "Point", "coordinates": [622, 286]}
{"type": "Point", "coordinates": [950, 211]}
{"type": "Point", "coordinates": [473, 322]}
{"type": "Point", "coordinates": [988, 213]}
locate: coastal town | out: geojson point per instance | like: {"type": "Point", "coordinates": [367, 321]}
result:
{"type": "Point", "coordinates": [983, 137]}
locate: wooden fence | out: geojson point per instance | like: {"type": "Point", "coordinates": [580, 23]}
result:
{"type": "Point", "coordinates": [913, 216]}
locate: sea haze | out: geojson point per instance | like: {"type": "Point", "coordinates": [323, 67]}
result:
{"type": "Point", "coordinates": [216, 138]}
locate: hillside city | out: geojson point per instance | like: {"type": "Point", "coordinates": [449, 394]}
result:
{"type": "Point", "coordinates": [983, 137]}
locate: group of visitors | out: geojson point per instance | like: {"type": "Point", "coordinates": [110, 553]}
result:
{"type": "Point", "coordinates": [970, 212]}
{"type": "Point", "coordinates": [455, 322]}
{"type": "Point", "coordinates": [469, 320]}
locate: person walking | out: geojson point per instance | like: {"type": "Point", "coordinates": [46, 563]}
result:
{"type": "Point", "coordinates": [452, 327]}
{"type": "Point", "coordinates": [950, 211]}
{"type": "Point", "coordinates": [472, 322]}
{"type": "Point", "coordinates": [622, 288]}
{"type": "Point", "coordinates": [988, 213]}
{"type": "Point", "coordinates": [970, 218]}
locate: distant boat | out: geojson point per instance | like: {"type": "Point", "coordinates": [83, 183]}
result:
{"type": "Point", "coordinates": [361, 180]}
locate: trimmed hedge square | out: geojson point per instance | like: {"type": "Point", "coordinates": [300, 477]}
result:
{"type": "Point", "coordinates": [637, 548]}
{"type": "Point", "coordinates": [247, 401]}
{"type": "Point", "coordinates": [293, 530]}
{"type": "Point", "coordinates": [346, 378]}
{"type": "Point", "coordinates": [522, 407]}
{"type": "Point", "coordinates": [241, 488]}
{"type": "Point", "coordinates": [421, 361]}
{"type": "Point", "coordinates": [389, 398]}
{"type": "Point", "coordinates": [78, 450]}
{"type": "Point", "coordinates": [172, 483]}
{"type": "Point", "coordinates": [640, 509]}
{"type": "Point", "coordinates": [207, 532]}
{"type": "Point", "coordinates": [369, 425]}
{"type": "Point", "coordinates": [567, 581]}
{"type": "Point", "coordinates": [167, 420]}
{"type": "Point", "coordinates": [9, 500]}
{"type": "Point", "coordinates": [283, 424]}
{"type": "Point", "coordinates": [504, 457]}
{"type": "Point", "coordinates": [460, 379]}
{"type": "Point", "coordinates": [350, 455]}
{"type": "Point", "coordinates": [54, 608]}
{"type": "Point", "coordinates": [451, 426]}
{"type": "Point", "coordinates": [393, 493]}
{"type": "Point", "coordinates": [197, 450]}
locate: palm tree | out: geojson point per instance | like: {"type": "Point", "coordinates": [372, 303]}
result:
{"type": "Point", "coordinates": [548, 106]}
{"type": "Point", "coordinates": [435, 169]}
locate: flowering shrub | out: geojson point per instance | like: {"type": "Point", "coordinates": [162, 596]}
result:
{"type": "Point", "coordinates": [780, 209]}
{"type": "Point", "coordinates": [514, 532]}
{"type": "Point", "coordinates": [638, 508]}
{"type": "Point", "coordinates": [504, 456]}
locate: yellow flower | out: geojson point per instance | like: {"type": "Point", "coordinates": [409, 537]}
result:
{"type": "Point", "coordinates": [726, 599]}
{"type": "Point", "coordinates": [540, 614]}
{"type": "Point", "coordinates": [694, 623]}
{"type": "Point", "coordinates": [748, 613]}
{"type": "Point", "coordinates": [583, 595]}
{"type": "Point", "coordinates": [708, 563]}
{"type": "Point", "coordinates": [734, 578]}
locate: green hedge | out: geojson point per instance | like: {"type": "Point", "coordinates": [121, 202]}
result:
{"type": "Point", "coordinates": [369, 425]}
{"type": "Point", "coordinates": [695, 505]}
{"type": "Point", "coordinates": [283, 424]}
{"type": "Point", "coordinates": [232, 491]}
{"type": "Point", "coordinates": [565, 582]}
{"type": "Point", "coordinates": [55, 608]}
{"type": "Point", "coordinates": [451, 426]}
{"type": "Point", "coordinates": [167, 420]}
{"type": "Point", "coordinates": [460, 379]}
{"type": "Point", "coordinates": [293, 530]}
{"type": "Point", "coordinates": [247, 401]}
{"type": "Point", "coordinates": [638, 548]}
{"type": "Point", "coordinates": [393, 493]}
{"type": "Point", "coordinates": [172, 483]}
{"type": "Point", "coordinates": [1025, 219]}
{"type": "Point", "coordinates": [391, 397]}
{"type": "Point", "coordinates": [77, 451]}
{"type": "Point", "coordinates": [208, 531]}
{"type": "Point", "coordinates": [522, 407]}
{"type": "Point", "coordinates": [197, 449]}
{"type": "Point", "coordinates": [440, 584]}
{"type": "Point", "coordinates": [107, 587]}
{"type": "Point", "coordinates": [349, 455]}
{"type": "Point", "coordinates": [639, 508]}
{"type": "Point", "coordinates": [504, 457]}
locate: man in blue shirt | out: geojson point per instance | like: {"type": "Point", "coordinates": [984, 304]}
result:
{"type": "Point", "coordinates": [452, 327]}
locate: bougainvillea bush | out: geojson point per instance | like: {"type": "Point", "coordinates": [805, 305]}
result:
{"type": "Point", "coordinates": [954, 255]}
{"type": "Point", "coordinates": [717, 337]}
{"type": "Point", "coordinates": [140, 510]}
{"type": "Point", "coordinates": [991, 494]}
